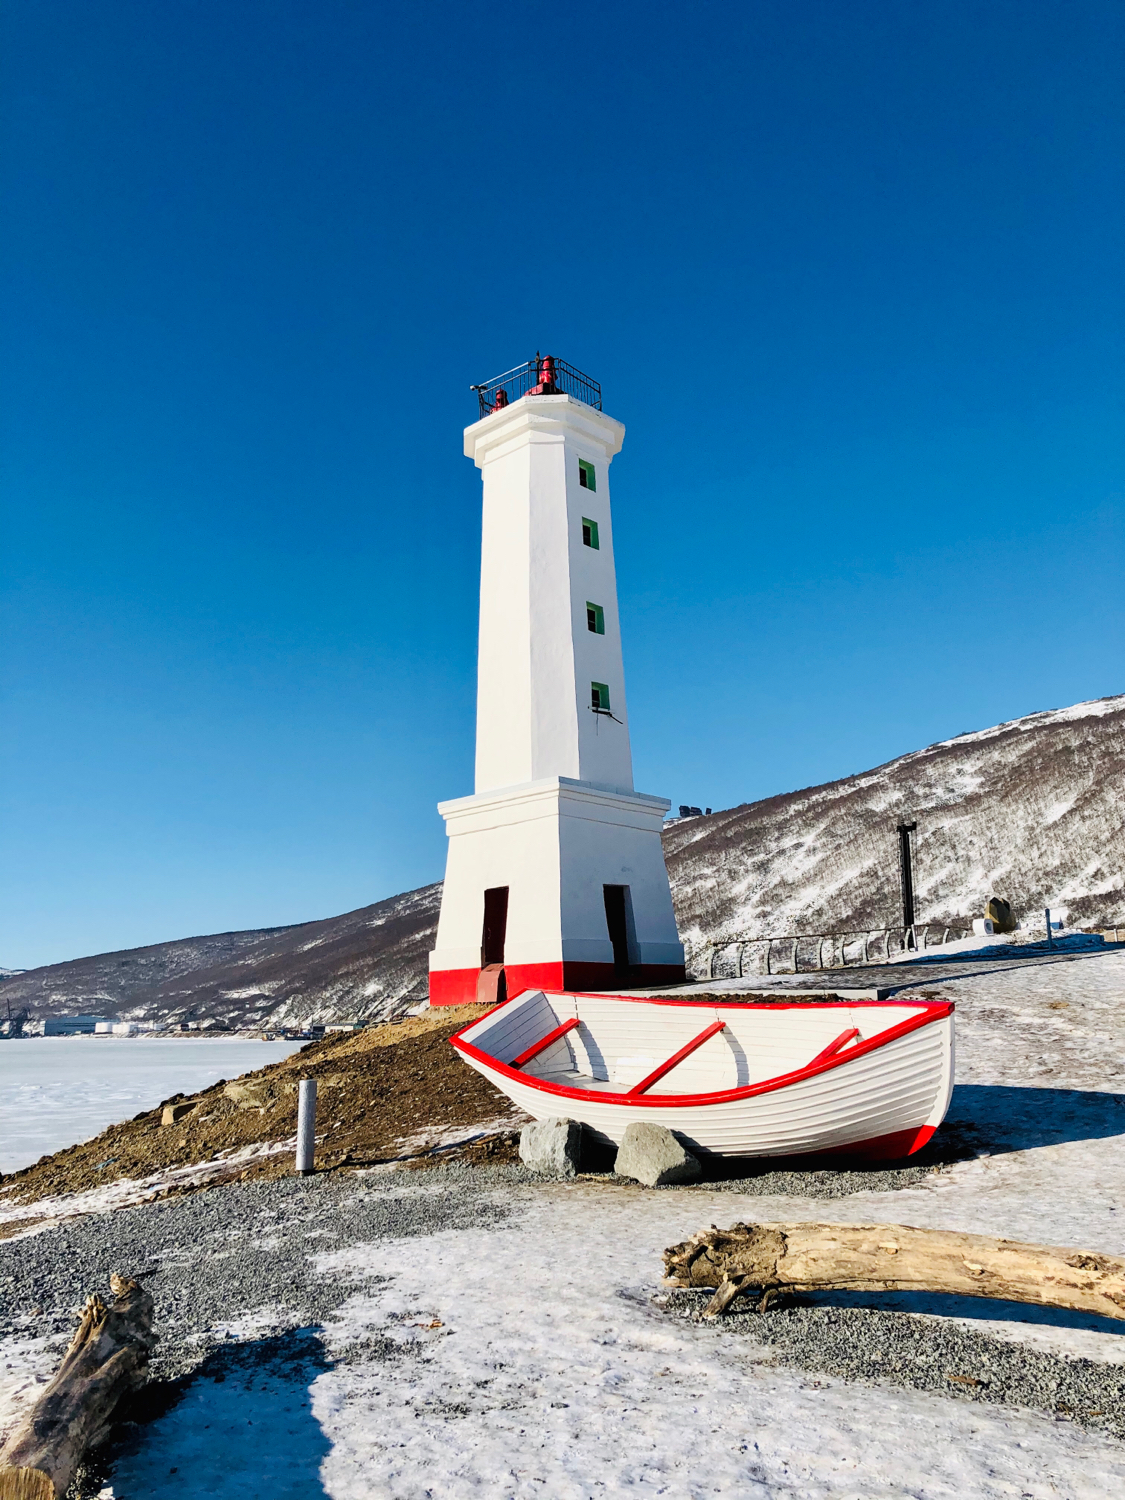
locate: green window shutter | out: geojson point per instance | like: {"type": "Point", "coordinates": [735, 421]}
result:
{"type": "Point", "coordinates": [590, 533]}
{"type": "Point", "coordinates": [587, 478]}
{"type": "Point", "coordinates": [595, 618]}
{"type": "Point", "coordinates": [599, 696]}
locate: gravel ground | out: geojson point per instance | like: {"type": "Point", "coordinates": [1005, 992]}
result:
{"type": "Point", "coordinates": [233, 1251]}
{"type": "Point", "coordinates": [833, 1182]}
{"type": "Point", "coordinates": [237, 1298]}
{"type": "Point", "coordinates": [925, 1354]}
{"type": "Point", "coordinates": [219, 1258]}
{"type": "Point", "coordinates": [232, 1280]}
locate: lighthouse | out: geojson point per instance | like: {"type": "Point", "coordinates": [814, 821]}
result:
{"type": "Point", "coordinates": [555, 875]}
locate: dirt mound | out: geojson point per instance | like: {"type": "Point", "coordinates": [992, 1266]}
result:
{"type": "Point", "coordinates": [391, 1091]}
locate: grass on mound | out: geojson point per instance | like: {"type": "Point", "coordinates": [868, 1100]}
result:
{"type": "Point", "coordinates": [382, 1093]}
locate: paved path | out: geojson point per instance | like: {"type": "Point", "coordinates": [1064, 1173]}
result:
{"type": "Point", "coordinates": [890, 978]}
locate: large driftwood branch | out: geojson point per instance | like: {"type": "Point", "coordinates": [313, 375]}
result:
{"type": "Point", "coordinates": [892, 1257]}
{"type": "Point", "coordinates": [107, 1358]}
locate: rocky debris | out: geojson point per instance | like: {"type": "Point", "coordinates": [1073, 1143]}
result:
{"type": "Point", "coordinates": [172, 1114]}
{"type": "Point", "coordinates": [249, 1095]}
{"type": "Point", "coordinates": [652, 1155]}
{"type": "Point", "coordinates": [552, 1147]}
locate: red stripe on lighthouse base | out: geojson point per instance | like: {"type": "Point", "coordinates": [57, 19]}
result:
{"type": "Point", "coordinates": [459, 986]}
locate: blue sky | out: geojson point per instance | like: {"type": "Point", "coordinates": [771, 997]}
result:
{"type": "Point", "coordinates": [849, 274]}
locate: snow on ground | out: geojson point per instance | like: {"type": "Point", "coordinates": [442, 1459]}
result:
{"type": "Point", "coordinates": [1059, 1024]}
{"type": "Point", "coordinates": [28, 1364]}
{"type": "Point", "coordinates": [552, 1373]}
{"type": "Point", "coordinates": [453, 1135]}
{"type": "Point", "coordinates": [534, 1363]}
{"type": "Point", "coordinates": [529, 1359]}
{"type": "Point", "coordinates": [57, 1091]}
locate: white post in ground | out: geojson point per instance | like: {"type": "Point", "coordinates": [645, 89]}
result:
{"type": "Point", "coordinates": [306, 1126]}
{"type": "Point", "coordinates": [555, 867]}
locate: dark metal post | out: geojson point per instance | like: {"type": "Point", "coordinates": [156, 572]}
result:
{"type": "Point", "coordinates": [906, 877]}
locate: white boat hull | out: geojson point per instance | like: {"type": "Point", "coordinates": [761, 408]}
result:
{"type": "Point", "coordinates": [756, 1088]}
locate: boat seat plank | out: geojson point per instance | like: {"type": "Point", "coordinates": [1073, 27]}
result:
{"type": "Point", "coordinates": [835, 1045]}
{"type": "Point", "coordinates": [544, 1042]}
{"type": "Point", "coordinates": [677, 1057]}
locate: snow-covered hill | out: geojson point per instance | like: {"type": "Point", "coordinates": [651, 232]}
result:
{"type": "Point", "coordinates": [1032, 810]}
{"type": "Point", "coordinates": [362, 965]}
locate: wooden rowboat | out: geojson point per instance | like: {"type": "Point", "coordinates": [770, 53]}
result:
{"type": "Point", "coordinates": [732, 1078]}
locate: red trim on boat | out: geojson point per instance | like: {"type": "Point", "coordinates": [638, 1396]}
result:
{"type": "Point", "coordinates": [685, 1051]}
{"type": "Point", "coordinates": [833, 1047]}
{"type": "Point", "coordinates": [929, 1011]}
{"type": "Point", "coordinates": [544, 1042]}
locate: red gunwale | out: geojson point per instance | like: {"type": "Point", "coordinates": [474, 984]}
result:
{"type": "Point", "coordinates": [929, 1011]}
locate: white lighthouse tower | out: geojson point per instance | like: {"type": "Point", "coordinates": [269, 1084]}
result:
{"type": "Point", "coordinates": [555, 868]}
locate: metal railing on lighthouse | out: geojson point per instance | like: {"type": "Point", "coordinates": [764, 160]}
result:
{"type": "Point", "coordinates": [542, 376]}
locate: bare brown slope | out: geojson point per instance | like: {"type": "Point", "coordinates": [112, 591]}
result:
{"type": "Point", "coordinates": [384, 1092]}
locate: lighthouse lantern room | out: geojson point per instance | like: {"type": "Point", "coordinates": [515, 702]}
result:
{"type": "Point", "coordinates": [555, 874]}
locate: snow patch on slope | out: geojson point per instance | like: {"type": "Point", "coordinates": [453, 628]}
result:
{"type": "Point", "coordinates": [1029, 810]}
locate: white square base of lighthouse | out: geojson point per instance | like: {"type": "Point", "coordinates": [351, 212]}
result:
{"type": "Point", "coordinates": [554, 846]}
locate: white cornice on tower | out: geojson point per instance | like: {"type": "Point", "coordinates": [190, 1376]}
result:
{"type": "Point", "coordinates": [551, 416]}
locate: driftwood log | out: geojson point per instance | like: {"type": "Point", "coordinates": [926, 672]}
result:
{"type": "Point", "coordinates": [107, 1358]}
{"type": "Point", "coordinates": [773, 1258]}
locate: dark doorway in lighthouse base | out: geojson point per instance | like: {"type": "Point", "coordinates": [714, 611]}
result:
{"type": "Point", "coordinates": [492, 986]}
{"type": "Point", "coordinates": [495, 926]}
{"type": "Point", "coordinates": [617, 918]}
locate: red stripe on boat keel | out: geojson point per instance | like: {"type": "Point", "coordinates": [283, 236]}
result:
{"type": "Point", "coordinates": [892, 1147]}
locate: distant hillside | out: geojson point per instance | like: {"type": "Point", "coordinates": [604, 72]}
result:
{"type": "Point", "coordinates": [365, 964]}
{"type": "Point", "coordinates": [1032, 810]}
{"type": "Point", "coordinates": [109, 981]}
